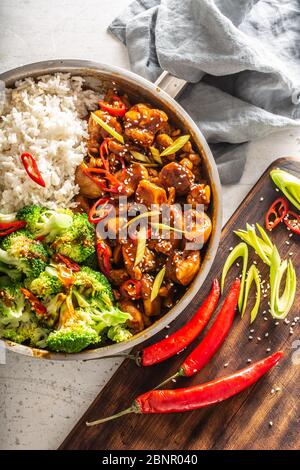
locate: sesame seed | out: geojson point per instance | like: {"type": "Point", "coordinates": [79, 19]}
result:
{"type": "Point", "coordinates": [291, 253]}
{"type": "Point", "coordinates": [174, 380]}
{"type": "Point", "coordinates": [266, 335]}
{"type": "Point", "coordinates": [272, 391]}
{"type": "Point", "coordinates": [252, 331]}
{"type": "Point", "coordinates": [276, 323]}
{"type": "Point", "coordinates": [250, 337]}
{"type": "Point", "coordinates": [261, 199]}
{"type": "Point", "coordinates": [226, 364]}
{"type": "Point", "coordinates": [268, 349]}
{"type": "Point", "coordinates": [258, 338]}
{"type": "Point", "coordinates": [286, 321]}
{"type": "Point", "coordinates": [249, 360]}
{"type": "Point", "coordinates": [287, 242]}
{"type": "Point", "coordinates": [270, 423]}
{"type": "Point", "coordinates": [277, 190]}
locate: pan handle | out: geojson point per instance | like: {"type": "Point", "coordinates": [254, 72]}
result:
{"type": "Point", "coordinates": [170, 84]}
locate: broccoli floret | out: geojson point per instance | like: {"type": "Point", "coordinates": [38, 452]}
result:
{"type": "Point", "coordinates": [72, 334]}
{"type": "Point", "coordinates": [17, 322]}
{"type": "Point", "coordinates": [12, 302]}
{"type": "Point", "coordinates": [12, 273]}
{"type": "Point", "coordinates": [20, 250]}
{"type": "Point", "coordinates": [91, 262]}
{"type": "Point", "coordinates": [53, 308]}
{"type": "Point", "coordinates": [45, 285]}
{"type": "Point", "coordinates": [94, 284]}
{"type": "Point", "coordinates": [101, 319]}
{"type": "Point", "coordinates": [47, 223]}
{"type": "Point", "coordinates": [118, 334]}
{"type": "Point", "coordinates": [76, 242]}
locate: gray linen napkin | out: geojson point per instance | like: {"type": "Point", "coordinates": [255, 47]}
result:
{"type": "Point", "coordinates": [241, 57]}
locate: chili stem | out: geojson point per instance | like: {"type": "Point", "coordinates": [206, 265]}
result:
{"type": "Point", "coordinates": [132, 409]}
{"type": "Point", "coordinates": [175, 376]}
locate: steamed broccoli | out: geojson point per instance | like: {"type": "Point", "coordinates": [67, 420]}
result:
{"type": "Point", "coordinates": [12, 273]}
{"type": "Point", "coordinates": [72, 334]}
{"type": "Point", "coordinates": [47, 223]}
{"type": "Point", "coordinates": [94, 284]}
{"type": "Point", "coordinates": [118, 334]}
{"type": "Point", "coordinates": [17, 322]}
{"type": "Point", "coordinates": [20, 250]}
{"type": "Point", "coordinates": [45, 285]}
{"type": "Point", "coordinates": [77, 242]}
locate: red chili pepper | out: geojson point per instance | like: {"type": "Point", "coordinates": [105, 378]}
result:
{"type": "Point", "coordinates": [117, 186]}
{"type": "Point", "coordinates": [103, 255]}
{"type": "Point", "coordinates": [67, 261]}
{"type": "Point", "coordinates": [37, 306]}
{"type": "Point", "coordinates": [32, 169]}
{"type": "Point", "coordinates": [116, 108]}
{"type": "Point", "coordinates": [276, 213]}
{"type": "Point", "coordinates": [198, 396]}
{"type": "Point", "coordinates": [9, 227]}
{"type": "Point", "coordinates": [131, 289]}
{"type": "Point", "coordinates": [292, 221]}
{"type": "Point", "coordinates": [95, 215]}
{"type": "Point", "coordinates": [179, 340]}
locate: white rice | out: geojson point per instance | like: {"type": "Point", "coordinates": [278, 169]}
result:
{"type": "Point", "coordinates": [43, 117]}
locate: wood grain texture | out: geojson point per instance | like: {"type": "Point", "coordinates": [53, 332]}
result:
{"type": "Point", "coordinates": [241, 422]}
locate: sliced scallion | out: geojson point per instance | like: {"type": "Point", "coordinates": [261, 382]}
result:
{"type": "Point", "coordinates": [177, 145]}
{"type": "Point", "coordinates": [252, 275]}
{"type": "Point", "coordinates": [157, 283]}
{"type": "Point", "coordinates": [108, 128]}
{"type": "Point", "coordinates": [241, 250]}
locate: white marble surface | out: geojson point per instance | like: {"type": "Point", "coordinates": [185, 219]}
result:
{"type": "Point", "coordinates": [40, 401]}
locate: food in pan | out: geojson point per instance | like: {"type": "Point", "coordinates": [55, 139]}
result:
{"type": "Point", "coordinates": [77, 171]}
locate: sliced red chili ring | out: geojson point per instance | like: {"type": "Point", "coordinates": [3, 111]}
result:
{"type": "Point", "coordinates": [276, 213]}
{"type": "Point", "coordinates": [37, 306]}
{"type": "Point", "coordinates": [116, 108]}
{"type": "Point", "coordinates": [117, 186]}
{"type": "Point", "coordinates": [32, 169]}
{"type": "Point", "coordinates": [9, 227]}
{"type": "Point", "coordinates": [131, 288]}
{"type": "Point", "coordinates": [103, 255]}
{"type": "Point", "coordinates": [292, 221]}
{"type": "Point", "coordinates": [100, 210]}
{"type": "Point", "coordinates": [58, 258]}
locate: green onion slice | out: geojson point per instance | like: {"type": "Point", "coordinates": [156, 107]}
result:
{"type": "Point", "coordinates": [177, 145]}
{"type": "Point", "coordinates": [241, 250]}
{"type": "Point", "coordinates": [288, 184]}
{"type": "Point", "coordinates": [156, 155]}
{"type": "Point", "coordinates": [166, 227]}
{"type": "Point", "coordinates": [108, 128]}
{"type": "Point", "coordinates": [252, 275]}
{"type": "Point", "coordinates": [281, 305]}
{"type": "Point", "coordinates": [260, 245]}
{"type": "Point", "coordinates": [140, 156]}
{"type": "Point", "coordinates": [157, 283]}
{"type": "Point", "coordinates": [141, 245]}
{"type": "Point", "coordinates": [142, 216]}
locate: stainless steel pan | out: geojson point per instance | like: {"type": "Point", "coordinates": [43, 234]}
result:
{"type": "Point", "coordinates": [162, 94]}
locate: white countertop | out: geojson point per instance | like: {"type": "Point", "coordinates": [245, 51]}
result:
{"type": "Point", "coordinates": [40, 401]}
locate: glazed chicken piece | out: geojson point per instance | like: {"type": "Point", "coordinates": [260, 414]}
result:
{"type": "Point", "coordinates": [142, 123]}
{"type": "Point", "coordinates": [88, 188]}
{"type": "Point", "coordinates": [95, 137]}
{"type": "Point", "coordinates": [176, 176]}
{"type": "Point", "coordinates": [150, 308]}
{"type": "Point", "coordinates": [168, 240]}
{"type": "Point", "coordinates": [148, 263]}
{"type": "Point", "coordinates": [198, 227]}
{"type": "Point", "coordinates": [149, 193]}
{"type": "Point", "coordinates": [182, 266]}
{"type": "Point", "coordinates": [131, 177]}
{"type": "Point", "coordinates": [199, 194]}
{"type": "Point", "coordinates": [118, 276]}
{"type": "Point", "coordinates": [136, 323]}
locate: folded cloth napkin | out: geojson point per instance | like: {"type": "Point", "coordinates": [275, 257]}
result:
{"type": "Point", "coordinates": [241, 57]}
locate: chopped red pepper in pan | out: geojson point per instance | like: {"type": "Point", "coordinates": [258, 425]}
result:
{"type": "Point", "coordinates": [100, 210]}
{"type": "Point", "coordinates": [9, 227]}
{"type": "Point", "coordinates": [32, 169]}
{"type": "Point", "coordinates": [116, 108]}
{"type": "Point", "coordinates": [131, 289]}
{"type": "Point", "coordinates": [36, 305]}
{"type": "Point", "coordinates": [67, 261]}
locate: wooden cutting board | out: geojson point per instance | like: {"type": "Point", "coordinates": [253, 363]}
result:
{"type": "Point", "coordinates": [242, 422]}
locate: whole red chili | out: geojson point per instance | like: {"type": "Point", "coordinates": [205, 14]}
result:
{"type": "Point", "coordinates": [100, 210]}
{"type": "Point", "coordinates": [32, 169]}
{"type": "Point", "coordinates": [103, 254]}
{"type": "Point", "coordinates": [213, 340]}
{"type": "Point", "coordinates": [198, 396]}
{"type": "Point", "coordinates": [276, 213]}
{"type": "Point", "coordinates": [36, 305]}
{"type": "Point", "coordinates": [179, 340]}
{"type": "Point", "coordinates": [9, 227]}
{"type": "Point", "coordinates": [292, 221]}
{"type": "Point", "coordinates": [67, 261]}
{"type": "Point", "coordinates": [116, 108]}
{"type": "Point", "coordinates": [131, 289]}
